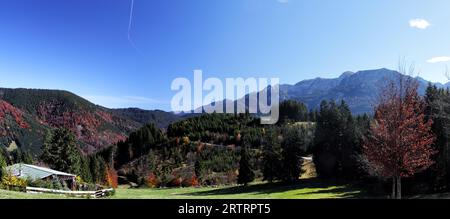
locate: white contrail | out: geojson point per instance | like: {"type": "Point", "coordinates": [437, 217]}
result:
{"type": "Point", "coordinates": [130, 20]}
{"type": "Point", "coordinates": [130, 23]}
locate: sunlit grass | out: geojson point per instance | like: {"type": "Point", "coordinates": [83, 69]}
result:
{"type": "Point", "coordinates": [303, 190]}
{"type": "Point", "coordinates": [4, 194]}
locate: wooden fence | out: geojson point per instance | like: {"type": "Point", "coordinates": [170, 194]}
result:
{"type": "Point", "coordinates": [91, 194]}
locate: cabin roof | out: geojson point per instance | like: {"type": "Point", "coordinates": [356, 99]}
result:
{"type": "Point", "coordinates": [34, 172]}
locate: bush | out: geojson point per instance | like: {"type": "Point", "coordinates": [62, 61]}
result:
{"type": "Point", "coordinates": [190, 182]}
{"type": "Point", "coordinates": [86, 187]}
{"type": "Point", "coordinates": [152, 181]}
{"type": "Point", "coordinates": [166, 179]}
{"type": "Point", "coordinates": [39, 183]}
{"type": "Point", "coordinates": [110, 193]}
{"type": "Point", "coordinates": [213, 179]}
{"type": "Point", "coordinates": [175, 182]}
{"type": "Point", "coordinates": [57, 185]}
{"type": "Point", "coordinates": [11, 182]}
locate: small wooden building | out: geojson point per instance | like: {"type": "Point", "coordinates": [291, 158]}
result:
{"type": "Point", "coordinates": [27, 171]}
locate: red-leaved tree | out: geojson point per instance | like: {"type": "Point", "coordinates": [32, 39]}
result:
{"type": "Point", "coordinates": [111, 177]}
{"type": "Point", "coordinates": [400, 139]}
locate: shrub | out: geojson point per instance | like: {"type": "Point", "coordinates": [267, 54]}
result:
{"type": "Point", "coordinates": [39, 183]}
{"type": "Point", "coordinates": [175, 182]}
{"type": "Point", "coordinates": [57, 185]}
{"type": "Point", "coordinates": [110, 193]}
{"type": "Point", "coordinates": [152, 181]}
{"type": "Point", "coordinates": [86, 187]}
{"type": "Point", "coordinates": [190, 182]}
{"type": "Point", "coordinates": [186, 141]}
{"type": "Point", "coordinates": [11, 182]}
{"type": "Point", "coordinates": [220, 178]}
{"type": "Point", "coordinates": [166, 179]}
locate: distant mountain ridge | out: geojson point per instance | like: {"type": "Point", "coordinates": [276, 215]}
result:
{"type": "Point", "coordinates": [27, 114]}
{"type": "Point", "coordinates": [358, 89]}
{"type": "Point", "coordinates": [160, 118]}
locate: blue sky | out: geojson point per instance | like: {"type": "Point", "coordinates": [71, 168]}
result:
{"type": "Point", "coordinates": [87, 47]}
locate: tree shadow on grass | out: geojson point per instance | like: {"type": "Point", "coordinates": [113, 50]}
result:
{"type": "Point", "coordinates": [339, 192]}
{"type": "Point", "coordinates": [342, 190]}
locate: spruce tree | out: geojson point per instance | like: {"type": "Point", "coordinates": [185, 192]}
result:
{"type": "Point", "coordinates": [85, 170]}
{"type": "Point", "coordinates": [61, 152]}
{"type": "Point", "coordinates": [271, 156]}
{"type": "Point", "coordinates": [198, 168]}
{"type": "Point", "coordinates": [292, 148]}
{"type": "Point", "coordinates": [98, 168]}
{"type": "Point", "coordinates": [246, 174]}
{"type": "Point", "coordinates": [336, 144]}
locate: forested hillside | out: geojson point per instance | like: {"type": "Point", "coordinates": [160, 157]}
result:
{"type": "Point", "coordinates": [160, 118]}
{"type": "Point", "coordinates": [27, 114]}
{"type": "Point", "coordinates": [209, 149]}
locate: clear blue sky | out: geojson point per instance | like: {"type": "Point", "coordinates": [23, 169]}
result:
{"type": "Point", "coordinates": [83, 46]}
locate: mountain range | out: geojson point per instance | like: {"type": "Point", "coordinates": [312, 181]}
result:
{"type": "Point", "coordinates": [359, 89]}
{"type": "Point", "coordinates": [26, 115]}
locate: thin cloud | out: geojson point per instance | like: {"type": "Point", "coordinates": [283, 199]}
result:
{"type": "Point", "coordinates": [283, 1]}
{"type": "Point", "coordinates": [439, 59]}
{"type": "Point", "coordinates": [419, 23]}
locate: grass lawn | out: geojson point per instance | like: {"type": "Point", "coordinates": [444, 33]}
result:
{"type": "Point", "coordinates": [4, 194]}
{"type": "Point", "coordinates": [305, 189]}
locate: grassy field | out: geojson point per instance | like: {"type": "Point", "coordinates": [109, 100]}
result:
{"type": "Point", "coordinates": [255, 191]}
{"type": "Point", "coordinates": [4, 194]}
{"type": "Point", "coordinates": [305, 189]}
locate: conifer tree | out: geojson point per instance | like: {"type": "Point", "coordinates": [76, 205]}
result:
{"type": "Point", "coordinates": [292, 148]}
{"type": "Point", "coordinates": [246, 174]}
{"type": "Point", "coordinates": [272, 156]}
{"type": "Point", "coordinates": [61, 152]}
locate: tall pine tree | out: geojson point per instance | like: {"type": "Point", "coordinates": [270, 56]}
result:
{"type": "Point", "coordinates": [246, 174]}
{"type": "Point", "coordinates": [272, 155]}
{"type": "Point", "coordinates": [336, 143]}
{"type": "Point", "coordinates": [293, 145]}
{"type": "Point", "coordinates": [61, 152]}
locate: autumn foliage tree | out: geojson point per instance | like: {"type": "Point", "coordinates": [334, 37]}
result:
{"type": "Point", "coordinates": [400, 139]}
{"type": "Point", "coordinates": [111, 177]}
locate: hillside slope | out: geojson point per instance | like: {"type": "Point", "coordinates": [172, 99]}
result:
{"type": "Point", "coordinates": [160, 118]}
{"type": "Point", "coordinates": [27, 114]}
